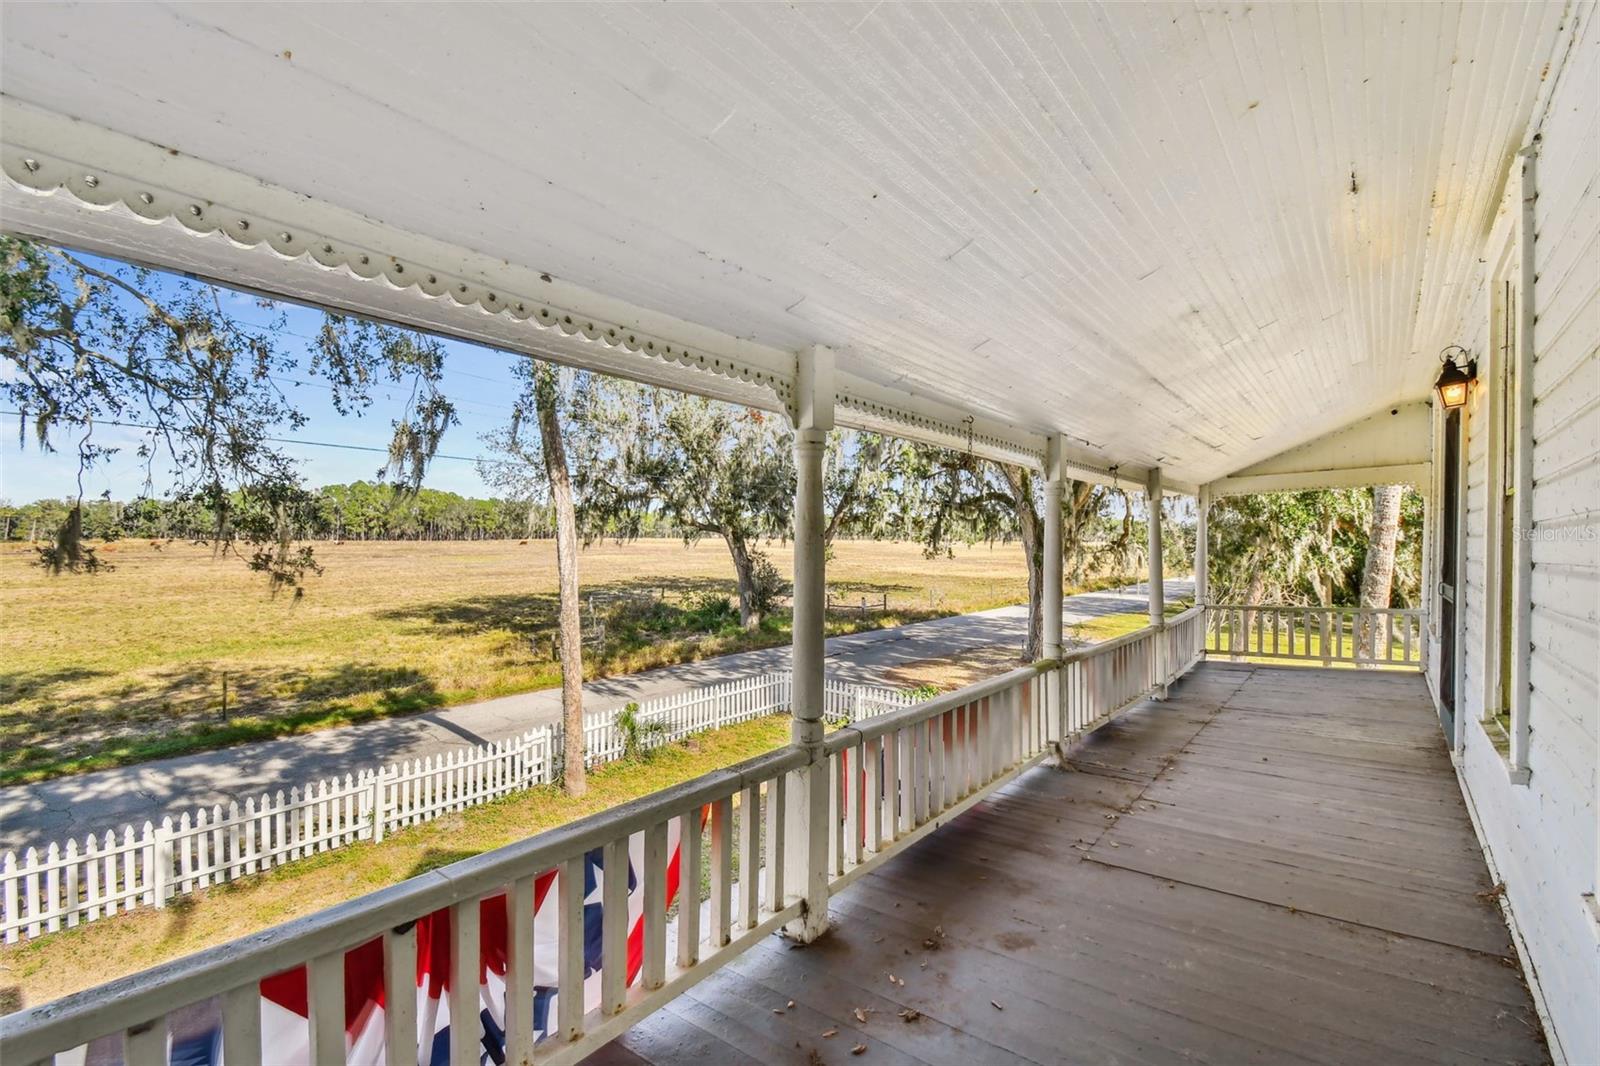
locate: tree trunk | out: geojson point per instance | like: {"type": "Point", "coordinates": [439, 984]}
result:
{"type": "Point", "coordinates": [744, 571]}
{"type": "Point", "coordinates": [1377, 577]}
{"type": "Point", "coordinates": [1030, 531]}
{"type": "Point", "coordinates": [570, 621]}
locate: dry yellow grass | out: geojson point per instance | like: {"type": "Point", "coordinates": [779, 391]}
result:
{"type": "Point", "coordinates": [130, 665]}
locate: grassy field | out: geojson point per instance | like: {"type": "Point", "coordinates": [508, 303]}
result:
{"type": "Point", "coordinates": [132, 665]}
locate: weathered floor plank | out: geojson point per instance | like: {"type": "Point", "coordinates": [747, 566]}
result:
{"type": "Point", "coordinates": [1273, 866]}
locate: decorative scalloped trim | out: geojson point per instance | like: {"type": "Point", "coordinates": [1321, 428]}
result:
{"type": "Point", "coordinates": [41, 174]}
{"type": "Point", "coordinates": [928, 424]}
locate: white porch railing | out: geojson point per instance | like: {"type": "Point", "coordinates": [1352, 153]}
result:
{"type": "Point", "coordinates": [892, 779]}
{"type": "Point", "coordinates": [1365, 636]}
{"type": "Point", "coordinates": [59, 886]}
{"type": "Point", "coordinates": [1099, 682]}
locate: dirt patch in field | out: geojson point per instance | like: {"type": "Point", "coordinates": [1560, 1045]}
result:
{"type": "Point", "coordinates": [956, 671]}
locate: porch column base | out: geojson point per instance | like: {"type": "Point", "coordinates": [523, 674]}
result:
{"type": "Point", "coordinates": [807, 853]}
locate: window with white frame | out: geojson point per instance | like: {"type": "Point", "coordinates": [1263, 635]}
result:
{"type": "Point", "coordinates": [1506, 408]}
{"type": "Point", "coordinates": [1502, 381]}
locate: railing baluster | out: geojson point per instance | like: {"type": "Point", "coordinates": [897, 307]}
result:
{"type": "Point", "coordinates": [919, 772]}
{"type": "Point", "coordinates": [959, 768]}
{"type": "Point", "coordinates": [883, 797]}
{"type": "Point", "coordinates": [613, 925]}
{"type": "Point", "coordinates": [835, 779]}
{"type": "Point", "coordinates": [721, 871]}
{"type": "Point", "coordinates": [570, 948]}
{"type": "Point", "coordinates": [853, 817]}
{"type": "Point", "coordinates": [981, 743]}
{"type": "Point", "coordinates": [871, 793]}
{"type": "Point", "coordinates": [325, 998]}
{"type": "Point", "coordinates": [241, 1025]}
{"type": "Point", "coordinates": [145, 1045]}
{"type": "Point", "coordinates": [653, 969]}
{"type": "Point", "coordinates": [777, 795]}
{"type": "Point", "coordinates": [750, 857]}
{"type": "Point", "coordinates": [399, 997]}
{"type": "Point", "coordinates": [689, 835]}
{"type": "Point", "coordinates": [465, 965]}
{"type": "Point", "coordinates": [904, 812]}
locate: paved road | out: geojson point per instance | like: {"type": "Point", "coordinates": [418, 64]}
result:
{"type": "Point", "coordinates": [108, 799]}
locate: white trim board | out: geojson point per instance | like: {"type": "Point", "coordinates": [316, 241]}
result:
{"type": "Point", "coordinates": [1416, 474]}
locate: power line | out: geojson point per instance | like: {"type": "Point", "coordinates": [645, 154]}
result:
{"type": "Point", "coordinates": [313, 443]}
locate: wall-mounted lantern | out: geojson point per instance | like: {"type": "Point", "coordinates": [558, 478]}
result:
{"type": "Point", "coordinates": [1455, 380]}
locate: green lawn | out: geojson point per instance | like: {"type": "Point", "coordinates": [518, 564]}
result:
{"type": "Point", "coordinates": [1111, 626]}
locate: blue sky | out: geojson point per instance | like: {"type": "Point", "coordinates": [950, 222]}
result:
{"type": "Point", "coordinates": [477, 380]}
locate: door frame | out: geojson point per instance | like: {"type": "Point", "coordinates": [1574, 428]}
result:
{"type": "Point", "coordinates": [1451, 571]}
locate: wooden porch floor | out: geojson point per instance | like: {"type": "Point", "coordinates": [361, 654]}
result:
{"type": "Point", "coordinates": [1275, 865]}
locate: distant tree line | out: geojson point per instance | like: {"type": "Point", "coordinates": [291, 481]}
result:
{"type": "Point", "coordinates": [358, 511]}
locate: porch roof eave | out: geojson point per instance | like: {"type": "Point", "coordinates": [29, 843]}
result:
{"type": "Point", "coordinates": [82, 186]}
{"type": "Point", "coordinates": [1393, 446]}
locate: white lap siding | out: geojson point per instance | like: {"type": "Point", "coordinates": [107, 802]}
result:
{"type": "Point", "coordinates": [1542, 835]}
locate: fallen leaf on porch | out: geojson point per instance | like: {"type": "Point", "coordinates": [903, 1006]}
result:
{"type": "Point", "coordinates": [829, 1033]}
{"type": "Point", "coordinates": [1492, 894]}
{"type": "Point", "coordinates": [861, 1015]}
{"type": "Point", "coordinates": [777, 1010]}
{"type": "Point", "coordinates": [790, 1005]}
{"type": "Point", "coordinates": [910, 1014]}
{"type": "Point", "coordinates": [858, 1049]}
{"type": "Point", "coordinates": [995, 1005]}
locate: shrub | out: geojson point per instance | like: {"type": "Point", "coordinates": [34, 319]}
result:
{"type": "Point", "coordinates": [770, 586]}
{"type": "Point", "coordinates": [637, 731]}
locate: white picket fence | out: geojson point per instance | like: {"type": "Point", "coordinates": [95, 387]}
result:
{"type": "Point", "coordinates": [59, 887]}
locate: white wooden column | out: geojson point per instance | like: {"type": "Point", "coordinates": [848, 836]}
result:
{"type": "Point", "coordinates": [806, 850]}
{"type": "Point", "coordinates": [1152, 495]}
{"type": "Point", "coordinates": [1202, 547]}
{"type": "Point", "coordinates": [1050, 601]}
{"type": "Point", "coordinates": [1158, 605]}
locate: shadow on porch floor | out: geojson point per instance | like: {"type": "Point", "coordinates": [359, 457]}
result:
{"type": "Point", "coordinates": [1275, 865]}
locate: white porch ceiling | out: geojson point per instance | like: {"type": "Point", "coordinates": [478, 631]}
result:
{"type": "Point", "coordinates": [1185, 236]}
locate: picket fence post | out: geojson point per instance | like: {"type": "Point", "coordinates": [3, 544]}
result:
{"type": "Point", "coordinates": [376, 803]}
{"type": "Point", "coordinates": [158, 856]}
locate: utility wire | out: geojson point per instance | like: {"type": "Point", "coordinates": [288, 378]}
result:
{"type": "Point", "coordinates": [312, 443]}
